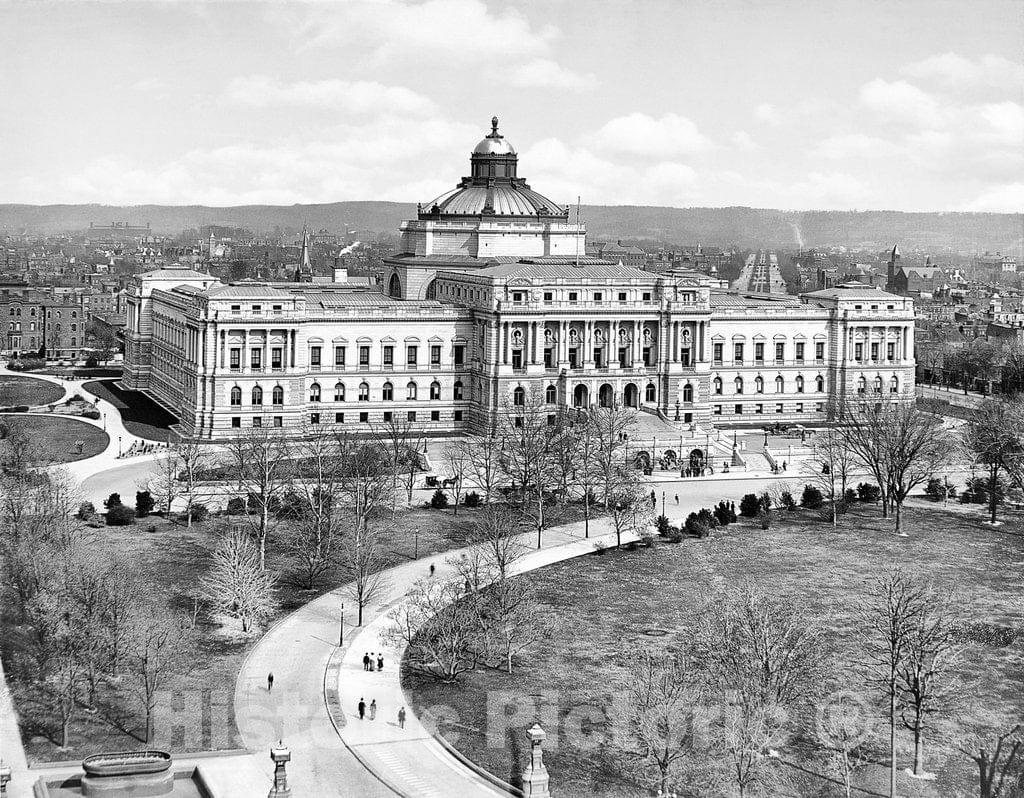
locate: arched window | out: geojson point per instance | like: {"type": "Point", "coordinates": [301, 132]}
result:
{"type": "Point", "coordinates": [410, 390]}
{"type": "Point", "coordinates": [687, 394]}
{"type": "Point", "coordinates": [739, 384]}
{"type": "Point", "coordinates": [277, 395]}
{"type": "Point", "coordinates": [457, 390]}
{"type": "Point", "coordinates": [364, 392]}
{"type": "Point", "coordinates": [435, 390]}
{"type": "Point", "coordinates": [518, 397]}
{"type": "Point", "coordinates": [862, 385]}
{"type": "Point", "coordinates": [314, 392]}
{"type": "Point", "coordinates": [387, 392]}
{"type": "Point", "coordinates": [878, 384]}
{"type": "Point", "coordinates": [551, 394]}
{"type": "Point", "coordinates": [894, 385]}
{"type": "Point", "coordinates": [780, 384]}
{"type": "Point", "coordinates": [717, 383]}
{"type": "Point", "coordinates": [759, 384]}
{"type": "Point", "coordinates": [236, 396]}
{"type": "Point", "coordinates": [257, 395]}
{"type": "Point", "coordinates": [650, 393]}
{"type": "Point", "coordinates": [339, 392]}
{"type": "Point", "coordinates": [819, 384]}
{"type": "Point", "coordinates": [799, 384]}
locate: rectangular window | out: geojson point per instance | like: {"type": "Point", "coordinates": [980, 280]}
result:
{"type": "Point", "coordinates": [460, 355]}
{"type": "Point", "coordinates": [277, 310]}
{"type": "Point", "coordinates": [800, 353]}
{"type": "Point", "coordinates": [574, 357]}
{"type": "Point", "coordinates": [819, 407]}
{"type": "Point", "coordinates": [458, 415]}
{"type": "Point", "coordinates": [549, 358]}
{"type": "Point", "coordinates": [276, 357]}
{"type": "Point", "coordinates": [684, 356]}
{"type": "Point", "coordinates": [517, 296]}
{"type": "Point", "coordinates": [598, 357]}
{"type": "Point", "coordinates": [890, 351]}
{"type": "Point", "coordinates": [598, 296]}
{"type": "Point", "coordinates": [517, 358]}
{"type": "Point", "coordinates": [257, 421]}
{"type": "Point", "coordinates": [759, 409]}
{"type": "Point", "coordinates": [874, 351]}
{"type": "Point", "coordinates": [339, 418]}
{"type": "Point", "coordinates": [548, 296]}
{"type": "Point", "coordinates": [364, 357]}
{"type": "Point", "coordinates": [739, 410]}
{"type": "Point", "coordinates": [314, 357]}
{"type": "Point", "coordinates": [716, 410]}
{"type": "Point", "coordinates": [236, 358]}
{"type": "Point", "coordinates": [799, 407]}
{"type": "Point", "coordinates": [819, 351]}
{"type": "Point", "coordinates": [435, 357]}
{"type": "Point", "coordinates": [236, 310]}
{"type": "Point", "coordinates": [278, 421]}
{"type": "Point", "coordinates": [858, 352]}
{"type": "Point", "coordinates": [388, 416]}
{"type": "Point", "coordinates": [256, 359]}
{"type": "Point", "coordinates": [411, 415]}
{"type": "Point", "coordinates": [687, 417]}
{"type": "Point", "coordinates": [759, 353]}
{"type": "Point", "coordinates": [737, 353]}
{"type": "Point", "coordinates": [389, 357]}
{"type": "Point", "coordinates": [339, 356]}
{"type": "Point", "coordinates": [623, 362]}
{"type": "Point", "coordinates": [573, 296]}
{"type": "Point", "coordinates": [435, 415]}
{"type": "Point", "coordinates": [236, 421]}
{"type": "Point", "coordinates": [411, 355]}
{"type": "Point", "coordinates": [647, 356]}
{"type": "Point", "coordinates": [257, 310]}
{"type": "Point", "coordinates": [717, 354]}
{"type": "Point", "coordinates": [647, 296]}
{"type": "Point", "coordinates": [778, 407]}
{"type": "Point", "coordinates": [622, 296]}
{"type": "Point", "coordinates": [780, 352]}
{"type": "Point", "coordinates": [364, 417]}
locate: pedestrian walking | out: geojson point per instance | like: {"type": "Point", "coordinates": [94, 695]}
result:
{"type": "Point", "coordinates": [371, 662]}
{"type": "Point", "coordinates": [431, 569]}
{"type": "Point", "coordinates": [654, 499]}
{"type": "Point", "coordinates": [270, 682]}
{"type": "Point", "coordinates": [401, 718]}
{"type": "Point", "coordinates": [380, 662]}
{"type": "Point", "coordinates": [362, 709]}
{"type": "Point", "coordinates": [677, 498]}
{"type": "Point", "coordinates": [373, 709]}
{"type": "Point", "coordinates": [366, 661]}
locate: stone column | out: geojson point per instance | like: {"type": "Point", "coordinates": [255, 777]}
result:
{"type": "Point", "coordinates": [535, 776]}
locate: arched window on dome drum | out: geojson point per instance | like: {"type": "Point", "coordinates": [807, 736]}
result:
{"type": "Point", "coordinates": [457, 390]}
{"type": "Point", "coordinates": [894, 385]}
{"type": "Point", "coordinates": [878, 384]}
{"type": "Point", "coordinates": [650, 393]}
{"type": "Point", "coordinates": [314, 392]}
{"type": "Point", "coordinates": [687, 394]}
{"type": "Point", "coordinates": [799, 384]}
{"type": "Point", "coordinates": [388, 392]}
{"type": "Point", "coordinates": [780, 384]}
{"type": "Point", "coordinates": [551, 394]}
{"type": "Point", "coordinates": [518, 397]}
{"type": "Point", "coordinates": [739, 384]}
{"type": "Point", "coordinates": [339, 392]}
{"type": "Point", "coordinates": [277, 395]}
{"type": "Point", "coordinates": [819, 384]}
{"type": "Point", "coordinates": [364, 392]}
{"type": "Point", "coordinates": [759, 384]}
{"type": "Point", "coordinates": [410, 390]}
{"type": "Point", "coordinates": [257, 395]}
{"type": "Point", "coordinates": [236, 396]}
{"type": "Point", "coordinates": [435, 390]}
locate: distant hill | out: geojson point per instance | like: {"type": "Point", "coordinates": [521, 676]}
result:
{"type": "Point", "coordinates": [744, 227]}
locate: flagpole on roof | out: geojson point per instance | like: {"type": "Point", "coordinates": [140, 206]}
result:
{"type": "Point", "coordinates": [577, 231]}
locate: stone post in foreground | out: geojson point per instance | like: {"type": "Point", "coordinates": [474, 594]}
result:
{"type": "Point", "coordinates": [535, 776]}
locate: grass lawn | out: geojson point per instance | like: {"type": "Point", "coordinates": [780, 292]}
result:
{"type": "Point", "coordinates": [603, 608]}
{"type": "Point", "coordinates": [59, 436]}
{"type": "Point", "coordinates": [171, 560]}
{"type": "Point", "coordinates": [141, 415]}
{"type": "Point", "coordinates": [17, 390]}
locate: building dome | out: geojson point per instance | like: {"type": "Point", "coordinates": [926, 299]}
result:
{"type": "Point", "coordinates": [493, 188]}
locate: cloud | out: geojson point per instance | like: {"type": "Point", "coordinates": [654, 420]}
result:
{"type": "Point", "coordinates": [352, 97]}
{"type": "Point", "coordinates": [640, 135]}
{"type": "Point", "coordinates": [769, 114]}
{"type": "Point", "coordinates": [1004, 199]}
{"type": "Point", "coordinates": [743, 141]}
{"type": "Point", "coordinates": [854, 145]}
{"type": "Point", "coordinates": [960, 73]}
{"type": "Point", "coordinates": [545, 73]}
{"type": "Point", "coordinates": [900, 101]}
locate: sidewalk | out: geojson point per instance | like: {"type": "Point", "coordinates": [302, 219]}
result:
{"type": "Point", "coordinates": [11, 751]}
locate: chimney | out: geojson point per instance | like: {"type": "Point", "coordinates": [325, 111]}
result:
{"type": "Point", "coordinates": [340, 273]}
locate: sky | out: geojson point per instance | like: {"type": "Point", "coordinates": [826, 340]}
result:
{"type": "Point", "coordinates": [914, 105]}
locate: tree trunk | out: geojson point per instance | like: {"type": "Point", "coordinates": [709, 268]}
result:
{"type": "Point", "coordinates": [898, 514]}
{"type": "Point", "coordinates": [359, 604]}
{"type": "Point", "coordinates": [892, 741]}
{"type": "Point", "coordinates": [918, 748]}
{"type": "Point", "coordinates": [150, 724]}
{"type": "Point", "coordinates": [264, 523]}
{"type": "Point", "coordinates": [65, 732]}
{"type": "Point", "coordinates": [993, 499]}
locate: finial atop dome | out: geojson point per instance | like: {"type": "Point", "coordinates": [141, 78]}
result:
{"type": "Point", "coordinates": [494, 126]}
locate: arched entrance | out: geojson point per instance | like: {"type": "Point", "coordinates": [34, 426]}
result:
{"type": "Point", "coordinates": [631, 396]}
{"type": "Point", "coordinates": [697, 461]}
{"type": "Point", "coordinates": [394, 286]}
{"type": "Point", "coordinates": [642, 459]}
{"type": "Point", "coordinates": [580, 396]}
{"type": "Point", "coordinates": [606, 395]}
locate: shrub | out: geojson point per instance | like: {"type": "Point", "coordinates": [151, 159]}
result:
{"type": "Point", "coordinates": [675, 535]}
{"type": "Point", "coordinates": [765, 519]}
{"type": "Point", "coordinates": [92, 413]}
{"type": "Point", "coordinates": [765, 501]}
{"type": "Point", "coordinates": [119, 515]}
{"type": "Point", "coordinates": [725, 513]}
{"type": "Point", "coordinates": [236, 506]}
{"type": "Point", "coordinates": [91, 362]}
{"type": "Point", "coordinates": [472, 499]}
{"type": "Point", "coordinates": [700, 524]}
{"type": "Point", "coordinates": [868, 492]}
{"type": "Point", "coordinates": [646, 541]}
{"type": "Point", "coordinates": [200, 512]}
{"type": "Point", "coordinates": [86, 511]}
{"type": "Point", "coordinates": [661, 522]}
{"type": "Point", "coordinates": [112, 501]}
{"type": "Point", "coordinates": [749, 505]}
{"type": "Point", "coordinates": [850, 496]}
{"type": "Point", "coordinates": [144, 503]}
{"type": "Point", "coordinates": [439, 500]}
{"type": "Point", "coordinates": [787, 500]}
{"type": "Point", "coordinates": [811, 498]}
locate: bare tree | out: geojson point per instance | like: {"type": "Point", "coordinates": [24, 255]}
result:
{"type": "Point", "coordinates": [261, 461]}
{"type": "Point", "coordinates": [363, 562]}
{"type": "Point", "coordinates": [365, 478]}
{"type": "Point", "coordinates": [237, 584]}
{"type": "Point", "coordinates": [632, 511]}
{"type": "Point", "coordinates": [497, 533]}
{"type": "Point", "coordinates": [400, 443]}
{"type": "Point", "coordinates": [845, 734]}
{"type": "Point", "coordinates": [830, 467]}
{"type": "Point", "coordinates": [165, 485]}
{"type": "Point", "coordinates": [193, 460]}
{"type": "Point", "coordinates": [664, 699]}
{"type": "Point", "coordinates": [611, 429]}
{"type": "Point", "coordinates": [458, 463]}
{"type": "Point", "coordinates": [995, 436]}
{"type": "Point", "coordinates": [156, 651]}
{"type": "Point", "coordinates": [484, 461]}
{"type": "Point", "coordinates": [998, 760]}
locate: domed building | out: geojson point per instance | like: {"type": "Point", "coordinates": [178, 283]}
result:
{"type": "Point", "coordinates": [491, 217]}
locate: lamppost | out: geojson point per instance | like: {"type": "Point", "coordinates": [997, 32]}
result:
{"type": "Point", "coordinates": [118, 445]}
{"type": "Point", "coordinates": [677, 409]}
{"type": "Point", "coordinates": [707, 448]}
{"type": "Point", "coordinates": [416, 548]}
{"type": "Point", "coordinates": [663, 504]}
{"type": "Point", "coordinates": [103, 416]}
{"type": "Point", "coordinates": [341, 627]}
